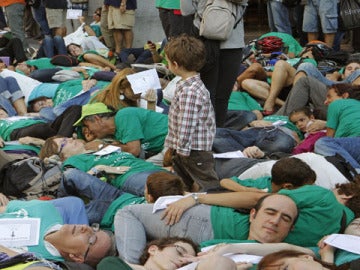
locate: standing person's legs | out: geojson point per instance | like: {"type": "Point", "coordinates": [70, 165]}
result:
{"type": "Point", "coordinates": [135, 224]}
{"type": "Point", "coordinates": [56, 19]}
{"type": "Point", "coordinates": [329, 20]}
{"type": "Point", "coordinates": [228, 70]}
{"type": "Point", "coordinates": [106, 32]}
{"type": "Point", "coordinates": [15, 15]}
{"type": "Point", "coordinates": [348, 148]}
{"type": "Point", "coordinates": [164, 15]}
{"type": "Point", "coordinates": [39, 14]}
{"type": "Point", "coordinates": [356, 40]}
{"type": "Point", "coordinates": [279, 19]}
{"type": "Point", "coordinates": [310, 20]}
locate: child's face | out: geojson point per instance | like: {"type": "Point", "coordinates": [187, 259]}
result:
{"type": "Point", "coordinates": [301, 120]}
{"type": "Point", "coordinates": [350, 68]}
{"type": "Point", "coordinates": [331, 96]}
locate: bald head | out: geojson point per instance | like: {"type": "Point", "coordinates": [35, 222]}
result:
{"type": "Point", "coordinates": [272, 218]}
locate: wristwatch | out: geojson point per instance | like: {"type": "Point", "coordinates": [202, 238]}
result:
{"type": "Point", "coordinates": [195, 197]}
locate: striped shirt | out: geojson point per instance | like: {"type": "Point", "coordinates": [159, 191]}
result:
{"type": "Point", "coordinates": [191, 118]}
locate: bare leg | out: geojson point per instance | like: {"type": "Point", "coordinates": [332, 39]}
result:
{"type": "Point", "coordinates": [129, 37]}
{"type": "Point", "coordinates": [282, 76]}
{"type": "Point", "coordinates": [329, 39]}
{"type": "Point", "coordinates": [118, 38]}
{"type": "Point", "coordinates": [20, 106]}
{"type": "Point", "coordinates": [254, 71]}
{"type": "Point", "coordinates": [259, 89]}
{"type": "Point", "coordinates": [312, 36]}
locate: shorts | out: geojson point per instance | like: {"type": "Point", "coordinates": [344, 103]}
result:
{"type": "Point", "coordinates": [118, 20]}
{"type": "Point", "coordinates": [56, 17]}
{"type": "Point", "coordinates": [326, 10]}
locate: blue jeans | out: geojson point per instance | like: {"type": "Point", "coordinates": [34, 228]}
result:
{"type": "Point", "coordinates": [15, 15]}
{"type": "Point", "coordinates": [39, 15]}
{"type": "Point", "coordinates": [310, 70]}
{"type": "Point", "coordinates": [84, 185]}
{"type": "Point", "coordinates": [238, 119]}
{"type": "Point", "coordinates": [9, 92]}
{"type": "Point", "coordinates": [278, 17]}
{"type": "Point", "coordinates": [71, 209]}
{"type": "Point", "coordinates": [269, 140]}
{"type": "Point", "coordinates": [135, 183]}
{"type": "Point", "coordinates": [141, 55]}
{"type": "Point", "coordinates": [326, 10]}
{"type": "Point", "coordinates": [135, 224]}
{"type": "Point", "coordinates": [348, 148]}
{"type": "Point", "coordinates": [52, 46]}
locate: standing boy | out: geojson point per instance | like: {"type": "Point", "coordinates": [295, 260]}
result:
{"type": "Point", "coordinates": [191, 116]}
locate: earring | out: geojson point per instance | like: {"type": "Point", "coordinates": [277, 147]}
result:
{"type": "Point", "coordinates": [121, 97]}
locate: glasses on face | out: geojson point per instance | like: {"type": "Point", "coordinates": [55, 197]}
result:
{"type": "Point", "coordinates": [62, 145]}
{"type": "Point", "coordinates": [92, 239]}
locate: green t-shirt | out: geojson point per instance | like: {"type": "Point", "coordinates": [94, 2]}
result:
{"type": "Point", "coordinates": [167, 4]}
{"type": "Point", "coordinates": [85, 162]}
{"type": "Point", "coordinates": [147, 126]}
{"type": "Point", "coordinates": [49, 216]}
{"type": "Point", "coordinates": [243, 101]}
{"type": "Point", "coordinates": [344, 116]}
{"type": "Point", "coordinates": [320, 214]}
{"type": "Point", "coordinates": [8, 125]}
{"type": "Point", "coordinates": [229, 223]}
{"type": "Point", "coordinates": [41, 63]}
{"type": "Point", "coordinates": [125, 199]}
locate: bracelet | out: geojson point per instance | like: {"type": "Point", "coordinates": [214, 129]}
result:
{"type": "Point", "coordinates": [195, 197]}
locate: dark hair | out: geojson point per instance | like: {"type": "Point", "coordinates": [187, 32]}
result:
{"type": "Point", "coordinates": [292, 170]}
{"type": "Point", "coordinates": [271, 260]}
{"type": "Point", "coordinates": [342, 88]}
{"type": "Point", "coordinates": [351, 189]}
{"type": "Point", "coordinates": [163, 183]}
{"type": "Point", "coordinates": [163, 243]}
{"type": "Point", "coordinates": [305, 110]}
{"type": "Point", "coordinates": [31, 103]}
{"type": "Point", "coordinates": [67, 47]}
{"type": "Point", "coordinates": [188, 52]}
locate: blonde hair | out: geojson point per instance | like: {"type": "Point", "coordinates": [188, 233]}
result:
{"type": "Point", "coordinates": [118, 94]}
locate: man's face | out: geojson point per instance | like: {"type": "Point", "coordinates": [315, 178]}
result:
{"type": "Point", "coordinates": [96, 127]}
{"type": "Point", "coordinates": [274, 220]}
{"type": "Point", "coordinates": [82, 241]}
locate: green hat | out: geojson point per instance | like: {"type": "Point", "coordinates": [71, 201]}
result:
{"type": "Point", "coordinates": [92, 109]}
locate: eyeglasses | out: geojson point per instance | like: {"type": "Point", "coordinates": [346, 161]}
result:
{"type": "Point", "coordinates": [62, 145]}
{"type": "Point", "coordinates": [92, 239]}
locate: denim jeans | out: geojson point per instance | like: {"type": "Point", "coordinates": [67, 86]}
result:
{"type": "Point", "coordinates": [269, 140]}
{"type": "Point", "coordinates": [348, 148]}
{"type": "Point", "coordinates": [39, 15]}
{"type": "Point", "coordinates": [6, 105]}
{"type": "Point", "coordinates": [9, 92]}
{"type": "Point", "coordinates": [135, 183]}
{"type": "Point", "coordinates": [135, 224]}
{"type": "Point", "coordinates": [71, 209]}
{"type": "Point", "coordinates": [141, 55]}
{"type": "Point", "coordinates": [15, 14]}
{"type": "Point", "coordinates": [313, 71]}
{"type": "Point", "coordinates": [238, 119]}
{"type": "Point", "coordinates": [84, 185]}
{"type": "Point", "coordinates": [52, 46]}
{"type": "Point", "coordinates": [278, 17]}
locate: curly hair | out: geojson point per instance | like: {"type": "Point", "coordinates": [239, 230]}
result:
{"type": "Point", "coordinates": [351, 189]}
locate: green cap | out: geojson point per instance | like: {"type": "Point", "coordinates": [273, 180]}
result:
{"type": "Point", "coordinates": [92, 109]}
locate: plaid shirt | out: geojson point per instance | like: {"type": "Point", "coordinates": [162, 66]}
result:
{"type": "Point", "coordinates": [191, 118]}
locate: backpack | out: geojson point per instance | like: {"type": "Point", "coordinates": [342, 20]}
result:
{"type": "Point", "coordinates": [64, 60]}
{"type": "Point", "coordinates": [30, 178]}
{"type": "Point", "coordinates": [218, 20]}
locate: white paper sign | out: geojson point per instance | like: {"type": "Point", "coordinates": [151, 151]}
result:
{"type": "Point", "coordinates": [19, 232]}
{"type": "Point", "coordinates": [107, 150]}
{"type": "Point", "coordinates": [346, 242]}
{"type": "Point", "coordinates": [142, 81]}
{"type": "Point", "coordinates": [234, 154]}
{"type": "Point", "coordinates": [73, 14]}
